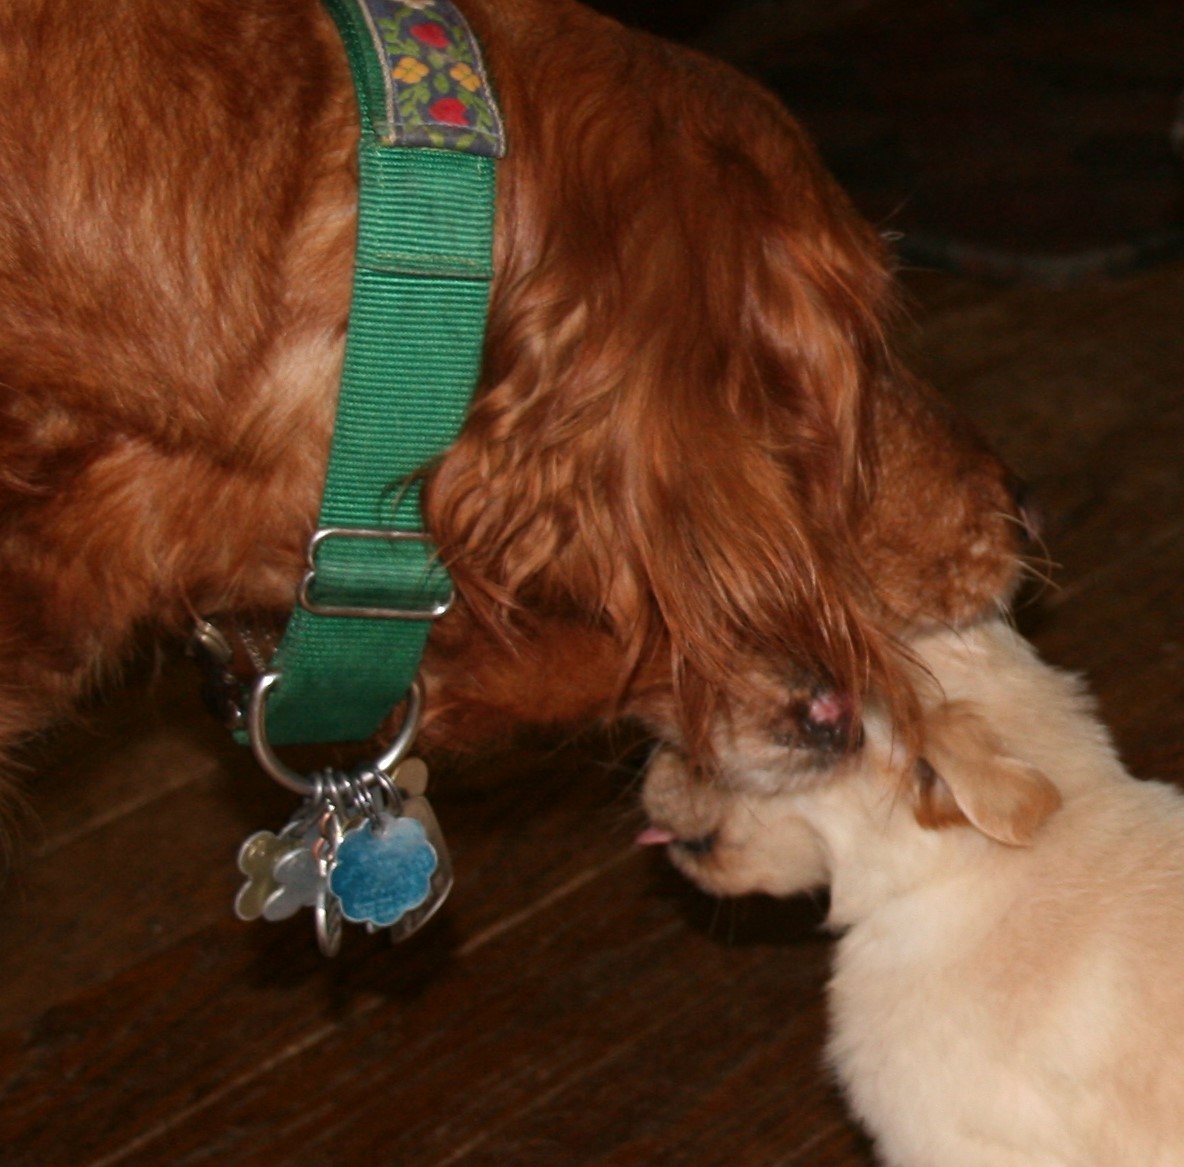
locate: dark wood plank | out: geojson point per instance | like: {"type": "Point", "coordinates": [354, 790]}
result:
{"type": "Point", "coordinates": [517, 1052]}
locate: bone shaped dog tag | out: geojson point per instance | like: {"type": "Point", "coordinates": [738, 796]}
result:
{"type": "Point", "coordinates": [258, 858]}
{"type": "Point", "coordinates": [300, 878]}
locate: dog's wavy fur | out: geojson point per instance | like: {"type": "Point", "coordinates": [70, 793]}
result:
{"type": "Point", "coordinates": [1006, 992]}
{"type": "Point", "coordinates": [692, 451]}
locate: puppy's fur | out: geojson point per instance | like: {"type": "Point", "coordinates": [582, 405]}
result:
{"type": "Point", "coordinates": [691, 451]}
{"type": "Point", "coordinates": [1008, 989]}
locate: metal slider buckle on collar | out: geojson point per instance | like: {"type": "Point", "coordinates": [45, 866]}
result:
{"type": "Point", "coordinates": [304, 594]}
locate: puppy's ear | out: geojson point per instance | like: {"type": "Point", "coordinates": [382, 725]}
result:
{"type": "Point", "coordinates": [967, 776]}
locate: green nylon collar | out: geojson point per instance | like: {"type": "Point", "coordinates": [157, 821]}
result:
{"type": "Point", "coordinates": [430, 132]}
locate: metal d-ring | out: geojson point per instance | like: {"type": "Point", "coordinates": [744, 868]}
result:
{"type": "Point", "coordinates": [302, 784]}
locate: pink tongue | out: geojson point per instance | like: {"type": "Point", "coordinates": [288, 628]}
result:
{"type": "Point", "coordinates": [655, 837]}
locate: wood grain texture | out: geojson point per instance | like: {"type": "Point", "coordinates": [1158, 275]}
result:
{"type": "Point", "coordinates": [576, 1004]}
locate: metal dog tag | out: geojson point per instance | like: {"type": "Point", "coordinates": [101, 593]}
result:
{"type": "Point", "coordinates": [364, 847]}
{"type": "Point", "coordinates": [329, 922]}
{"type": "Point", "coordinates": [301, 877]}
{"type": "Point", "coordinates": [258, 858]}
{"type": "Point", "coordinates": [384, 869]}
{"type": "Point", "coordinates": [440, 883]}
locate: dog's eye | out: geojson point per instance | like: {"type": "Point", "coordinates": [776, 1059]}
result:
{"type": "Point", "coordinates": [825, 720]}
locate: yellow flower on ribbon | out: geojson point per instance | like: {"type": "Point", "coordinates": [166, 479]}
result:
{"type": "Point", "coordinates": [409, 70]}
{"type": "Point", "coordinates": [464, 74]}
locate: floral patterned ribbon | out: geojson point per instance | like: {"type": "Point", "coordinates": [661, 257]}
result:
{"type": "Point", "coordinates": [437, 91]}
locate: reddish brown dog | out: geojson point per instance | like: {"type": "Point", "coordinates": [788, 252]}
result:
{"type": "Point", "coordinates": [692, 452]}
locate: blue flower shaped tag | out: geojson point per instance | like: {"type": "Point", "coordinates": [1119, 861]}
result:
{"type": "Point", "coordinates": [383, 870]}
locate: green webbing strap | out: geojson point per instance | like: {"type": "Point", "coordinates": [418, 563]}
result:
{"type": "Point", "coordinates": [421, 284]}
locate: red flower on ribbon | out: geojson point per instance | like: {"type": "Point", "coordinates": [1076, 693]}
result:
{"type": "Point", "coordinates": [449, 111]}
{"type": "Point", "coordinates": [433, 35]}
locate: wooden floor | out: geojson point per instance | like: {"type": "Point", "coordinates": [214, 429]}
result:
{"type": "Point", "coordinates": [574, 1003]}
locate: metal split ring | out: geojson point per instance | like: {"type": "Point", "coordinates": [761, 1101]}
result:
{"type": "Point", "coordinates": [375, 773]}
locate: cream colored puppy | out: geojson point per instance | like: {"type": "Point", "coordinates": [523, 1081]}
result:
{"type": "Point", "coordinates": [1009, 987]}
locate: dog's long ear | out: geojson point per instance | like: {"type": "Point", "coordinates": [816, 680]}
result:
{"type": "Point", "coordinates": [966, 776]}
